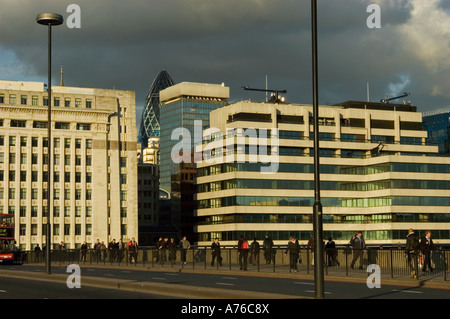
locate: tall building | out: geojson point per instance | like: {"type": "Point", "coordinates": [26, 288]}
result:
{"type": "Point", "coordinates": [378, 174]}
{"type": "Point", "coordinates": [437, 124]}
{"type": "Point", "coordinates": [94, 165]}
{"type": "Point", "coordinates": [150, 116]}
{"type": "Point", "coordinates": [181, 105]}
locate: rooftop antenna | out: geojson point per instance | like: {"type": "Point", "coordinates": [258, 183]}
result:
{"type": "Point", "coordinates": [275, 96]}
{"type": "Point", "coordinates": [61, 81]}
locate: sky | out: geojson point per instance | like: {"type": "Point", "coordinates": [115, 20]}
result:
{"type": "Point", "coordinates": [256, 43]}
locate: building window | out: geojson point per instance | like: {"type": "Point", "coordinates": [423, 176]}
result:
{"type": "Point", "coordinates": [83, 127]}
{"type": "Point", "coordinates": [18, 123]}
{"type": "Point", "coordinates": [62, 126]}
{"type": "Point", "coordinates": [67, 210]}
{"type": "Point", "coordinates": [67, 102]}
{"type": "Point", "coordinates": [12, 99]}
{"type": "Point", "coordinates": [88, 177]}
{"type": "Point", "coordinates": [88, 104]}
{"type": "Point", "coordinates": [88, 144]}
{"type": "Point", "coordinates": [23, 100]}
{"type": "Point", "coordinates": [56, 211]}
{"type": "Point", "coordinates": [34, 100]}
{"type": "Point", "coordinates": [77, 102]}
{"type": "Point", "coordinates": [77, 143]}
{"type": "Point", "coordinates": [88, 211]}
{"type": "Point", "coordinates": [77, 229]}
{"type": "Point", "coordinates": [23, 141]}
{"type": "Point", "coordinates": [77, 211]}
{"type": "Point", "coordinates": [12, 141]}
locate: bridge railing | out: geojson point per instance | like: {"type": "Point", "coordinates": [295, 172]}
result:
{"type": "Point", "coordinates": [345, 261]}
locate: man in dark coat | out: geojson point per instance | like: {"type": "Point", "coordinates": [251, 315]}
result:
{"type": "Point", "coordinates": [215, 252]}
{"type": "Point", "coordinates": [267, 246]}
{"type": "Point", "coordinates": [426, 246]}
{"type": "Point", "coordinates": [411, 250]}
{"type": "Point", "coordinates": [358, 244]}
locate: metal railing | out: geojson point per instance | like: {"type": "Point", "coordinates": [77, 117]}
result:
{"type": "Point", "coordinates": [342, 261]}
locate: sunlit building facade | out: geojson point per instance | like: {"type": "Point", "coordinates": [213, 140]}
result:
{"type": "Point", "coordinates": [378, 174]}
{"type": "Point", "coordinates": [94, 163]}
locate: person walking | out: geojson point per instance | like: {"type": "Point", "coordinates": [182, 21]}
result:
{"type": "Point", "coordinates": [254, 250]}
{"type": "Point", "coordinates": [215, 252]}
{"type": "Point", "coordinates": [426, 246]}
{"type": "Point", "coordinates": [293, 248]}
{"type": "Point", "coordinates": [172, 247]}
{"type": "Point", "coordinates": [411, 250]}
{"type": "Point", "coordinates": [243, 252]}
{"type": "Point", "coordinates": [37, 253]}
{"type": "Point", "coordinates": [331, 252]}
{"type": "Point", "coordinates": [268, 248]}
{"type": "Point", "coordinates": [133, 249]}
{"type": "Point", "coordinates": [184, 246]}
{"type": "Point", "coordinates": [358, 244]}
{"type": "Point", "coordinates": [84, 248]}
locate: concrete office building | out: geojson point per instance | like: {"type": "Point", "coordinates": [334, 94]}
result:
{"type": "Point", "coordinates": [378, 174]}
{"type": "Point", "coordinates": [94, 191]}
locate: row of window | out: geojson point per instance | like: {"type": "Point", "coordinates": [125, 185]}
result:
{"type": "Point", "coordinates": [44, 125]}
{"type": "Point", "coordinates": [326, 169]}
{"type": "Point", "coordinates": [23, 141]}
{"type": "Point", "coordinates": [327, 218]}
{"type": "Point", "coordinates": [13, 99]}
{"type": "Point", "coordinates": [284, 201]}
{"type": "Point", "coordinates": [305, 235]}
{"type": "Point", "coordinates": [56, 230]}
{"type": "Point", "coordinates": [35, 158]}
{"type": "Point", "coordinates": [324, 185]}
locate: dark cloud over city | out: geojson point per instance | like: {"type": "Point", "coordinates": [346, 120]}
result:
{"type": "Point", "coordinates": [124, 45]}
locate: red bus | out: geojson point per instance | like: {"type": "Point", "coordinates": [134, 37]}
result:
{"type": "Point", "coordinates": [7, 242]}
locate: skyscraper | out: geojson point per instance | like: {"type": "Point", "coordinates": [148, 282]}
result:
{"type": "Point", "coordinates": [181, 106]}
{"type": "Point", "coordinates": [150, 115]}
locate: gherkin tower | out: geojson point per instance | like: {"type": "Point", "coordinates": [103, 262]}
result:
{"type": "Point", "coordinates": [150, 115]}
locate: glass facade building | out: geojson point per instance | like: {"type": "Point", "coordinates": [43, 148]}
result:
{"type": "Point", "coordinates": [437, 125]}
{"type": "Point", "coordinates": [150, 116]}
{"type": "Point", "coordinates": [182, 105]}
{"type": "Point", "coordinates": [379, 175]}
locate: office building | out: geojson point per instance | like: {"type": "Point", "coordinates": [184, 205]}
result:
{"type": "Point", "coordinates": [94, 163]}
{"type": "Point", "coordinates": [378, 175]}
{"type": "Point", "coordinates": [437, 124]}
{"type": "Point", "coordinates": [184, 108]}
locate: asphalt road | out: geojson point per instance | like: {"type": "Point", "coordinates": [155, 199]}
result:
{"type": "Point", "coordinates": [241, 285]}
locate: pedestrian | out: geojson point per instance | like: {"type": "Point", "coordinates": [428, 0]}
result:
{"type": "Point", "coordinates": [112, 248]}
{"type": "Point", "coordinates": [411, 250]}
{"type": "Point", "coordinates": [172, 247]}
{"type": "Point", "coordinates": [37, 252]}
{"type": "Point", "coordinates": [254, 249]}
{"type": "Point", "coordinates": [243, 252]}
{"type": "Point", "coordinates": [293, 248]}
{"type": "Point", "coordinates": [215, 252]}
{"type": "Point", "coordinates": [120, 248]}
{"type": "Point", "coordinates": [133, 250]}
{"type": "Point", "coordinates": [97, 249]}
{"type": "Point", "coordinates": [163, 246]}
{"type": "Point", "coordinates": [331, 252]}
{"type": "Point", "coordinates": [184, 246]}
{"type": "Point", "coordinates": [268, 247]}
{"type": "Point", "coordinates": [426, 246]}
{"type": "Point", "coordinates": [102, 251]}
{"type": "Point", "coordinates": [84, 248]}
{"type": "Point", "coordinates": [358, 244]}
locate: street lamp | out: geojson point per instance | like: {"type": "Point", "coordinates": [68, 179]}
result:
{"type": "Point", "coordinates": [49, 19]}
{"type": "Point", "coordinates": [317, 210]}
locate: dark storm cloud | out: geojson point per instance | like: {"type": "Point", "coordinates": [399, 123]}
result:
{"type": "Point", "coordinates": [124, 45]}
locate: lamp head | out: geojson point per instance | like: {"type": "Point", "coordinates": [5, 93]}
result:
{"type": "Point", "coordinates": [49, 18]}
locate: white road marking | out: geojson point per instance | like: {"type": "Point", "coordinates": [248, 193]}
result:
{"type": "Point", "coordinates": [224, 284]}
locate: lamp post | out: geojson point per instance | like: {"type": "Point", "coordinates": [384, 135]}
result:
{"type": "Point", "coordinates": [49, 19]}
{"type": "Point", "coordinates": [317, 210]}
